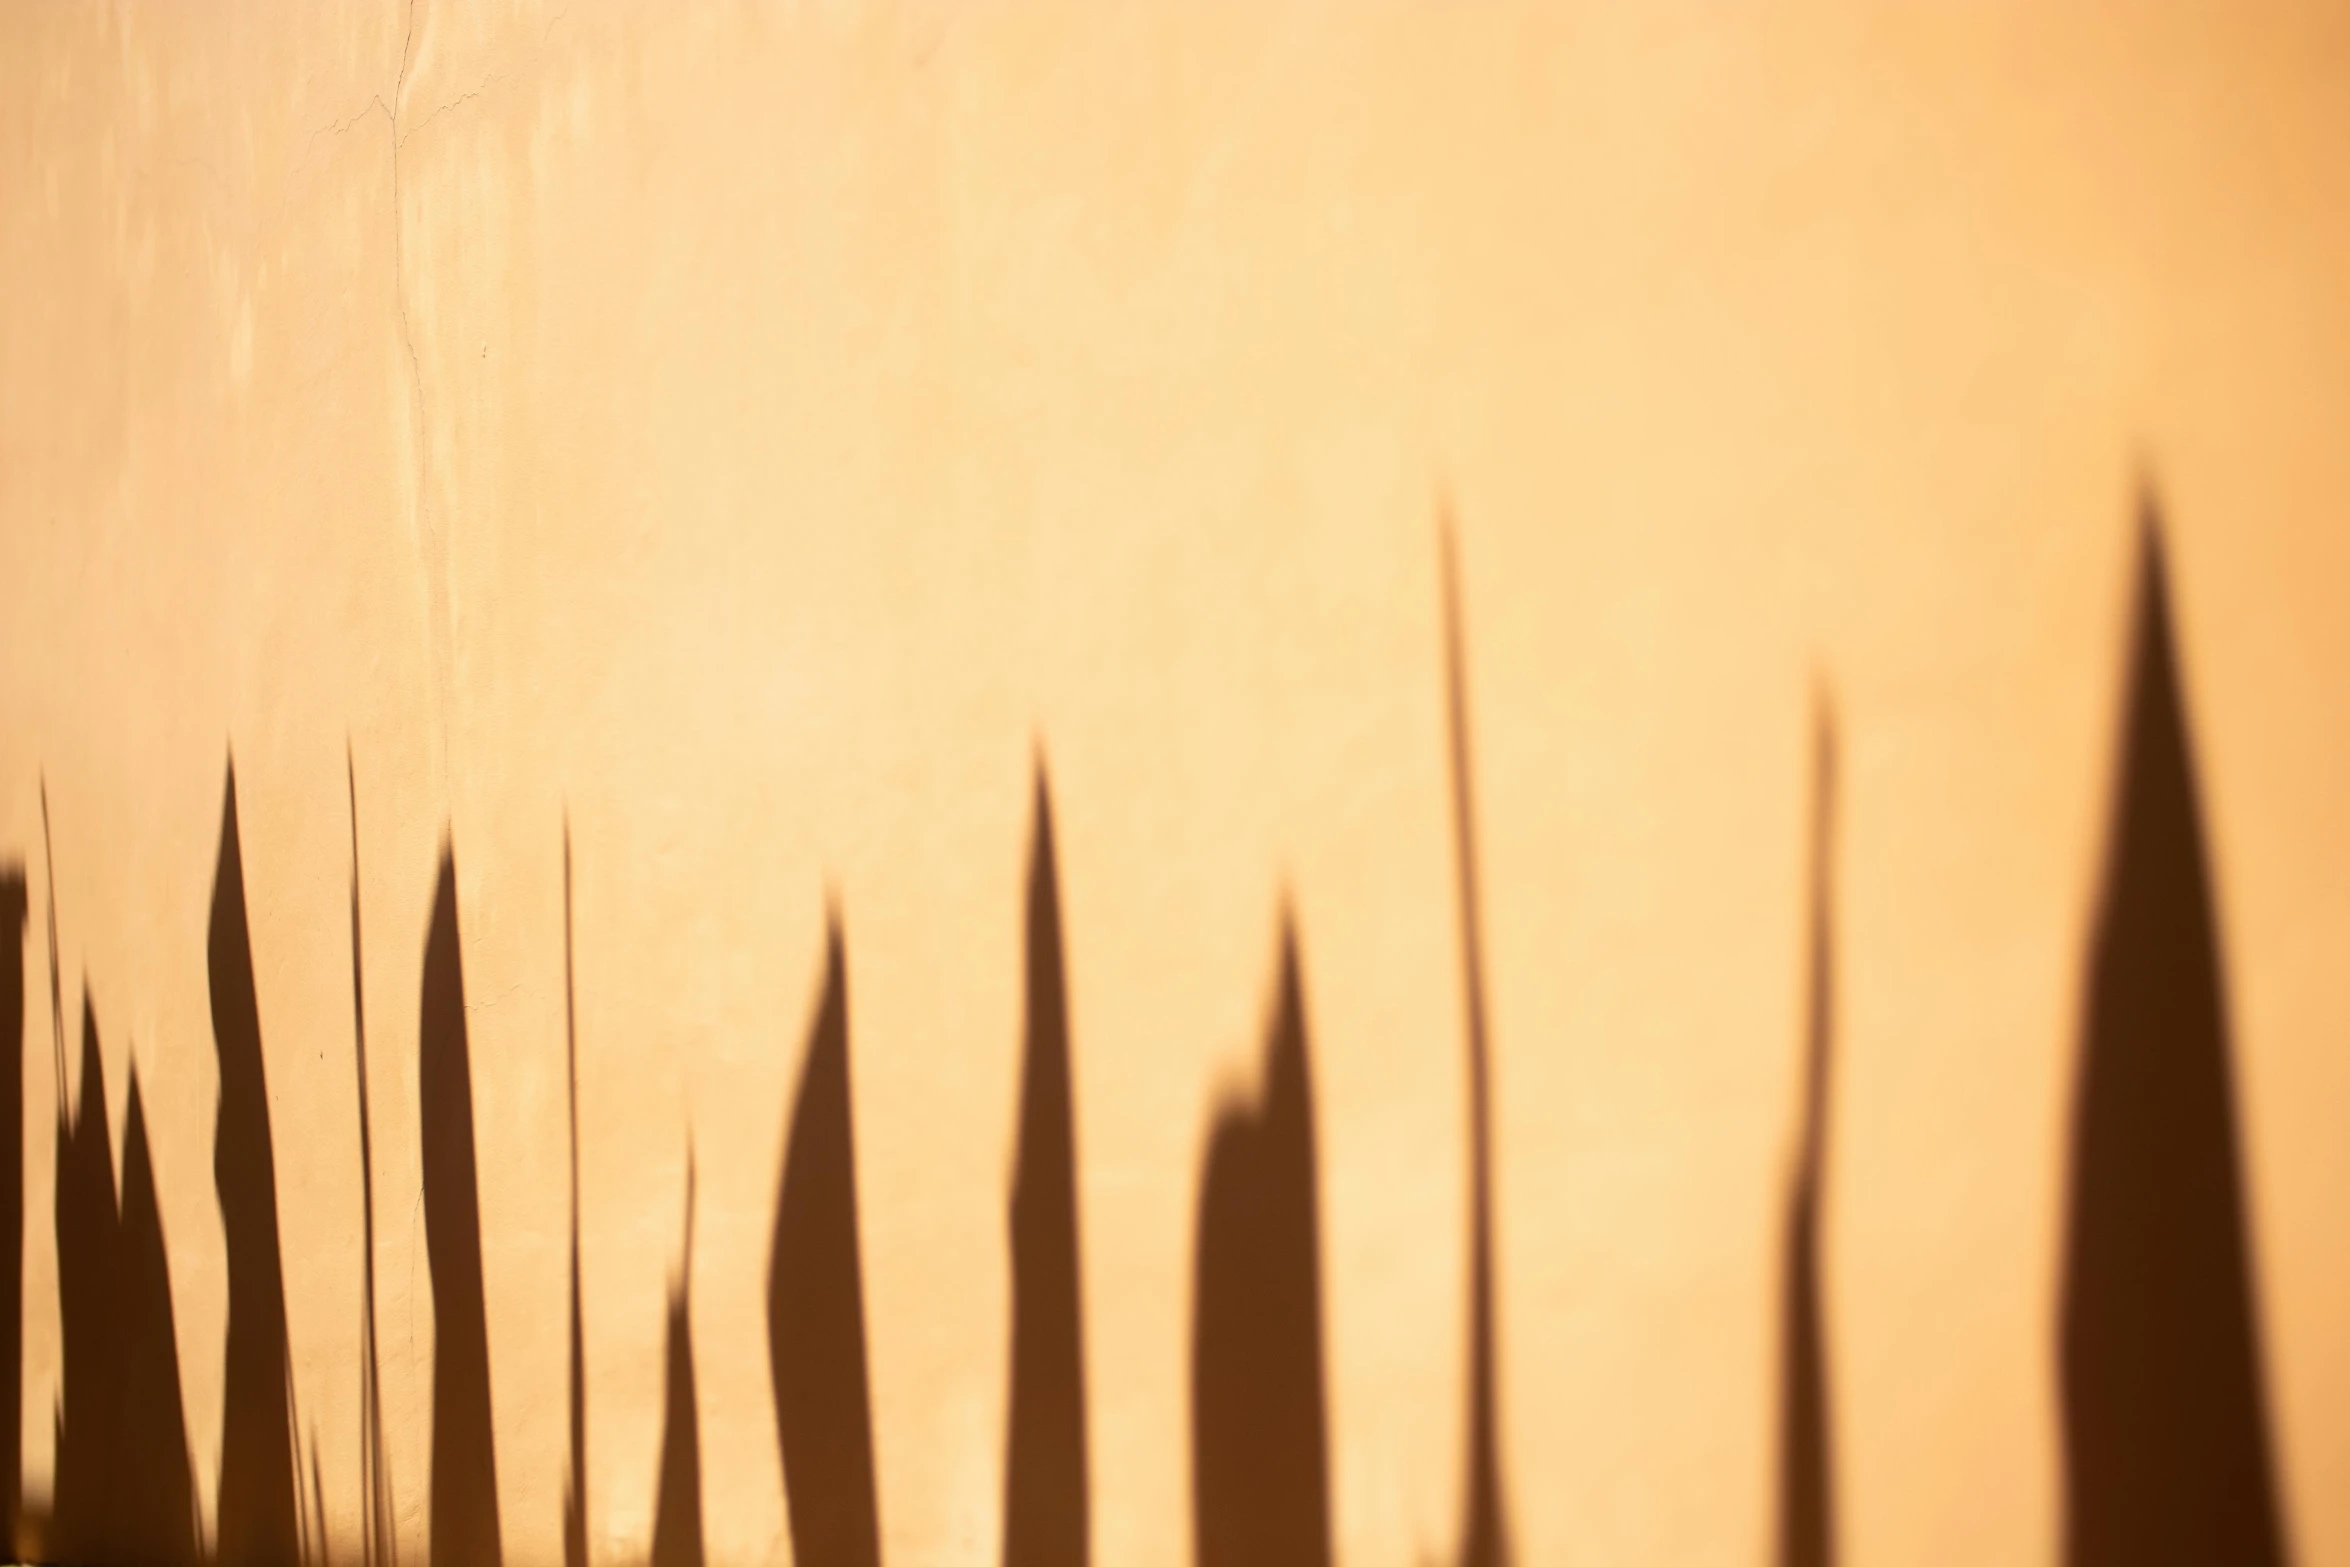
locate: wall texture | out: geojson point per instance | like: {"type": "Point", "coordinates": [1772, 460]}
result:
{"type": "Point", "coordinates": [1230, 783]}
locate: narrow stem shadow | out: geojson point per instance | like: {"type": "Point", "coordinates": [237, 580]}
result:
{"type": "Point", "coordinates": [256, 1519]}
{"type": "Point", "coordinates": [1484, 1539]}
{"type": "Point", "coordinates": [1807, 1492]}
{"type": "Point", "coordinates": [464, 1530]}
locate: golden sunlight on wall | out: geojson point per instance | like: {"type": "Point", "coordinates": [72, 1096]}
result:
{"type": "Point", "coordinates": [1235, 783]}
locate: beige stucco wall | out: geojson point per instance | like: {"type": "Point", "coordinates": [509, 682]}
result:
{"type": "Point", "coordinates": [754, 437]}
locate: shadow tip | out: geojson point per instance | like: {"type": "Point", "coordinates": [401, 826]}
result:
{"type": "Point", "coordinates": [2150, 527]}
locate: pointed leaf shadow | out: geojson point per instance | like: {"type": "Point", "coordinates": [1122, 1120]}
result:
{"type": "Point", "coordinates": [86, 1312]}
{"type": "Point", "coordinates": [14, 905]}
{"type": "Point", "coordinates": [1807, 1496]}
{"type": "Point", "coordinates": [2165, 1431]}
{"type": "Point", "coordinates": [816, 1304]}
{"type": "Point", "coordinates": [464, 1530]}
{"type": "Point", "coordinates": [1045, 1493]}
{"type": "Point", "coordinates": [255, 1522]}
{"type": "Point", "coordinates": [124, 1490]}
{"type": "Point", "coordinates": [153, 1484]}
{"type": "Point", "coordinates": [378, 1539]}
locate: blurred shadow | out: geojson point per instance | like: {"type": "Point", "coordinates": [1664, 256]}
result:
{"type": "Point", "coordinates": [379, 1535]}
{"type": "Point", "coordinates": [82, 1217]}
{"type": "Point", "coordinates": [2165, 1427]}
{"type": "Point", "coordinates": [326, 1554]}
{"type": "Point", "coordinates": [256, 1518]}
{"type": "Point", "coordinates": [574, 1485]}
{"type": "Point", "coordinates": [124, 1492]}
{"type": "Point", "coordinates": [816, 1305]}
{"type": "Point", "coordinates": [677, 1508]}
{"type": "Point", "coordinates": [14, 905]}
{"type": "Point", "coordinates": [1045, 1501]}
{"type": "Point", "coordinates": [1259, 1450]}
{"type": "Point", "coordinates": [1484, 1538]}
{"type": "Point", "coordinates": [1807, 1496]}
{"type": "Point", "coordinates": [464, 1457]}
{"type": "Point", "coordinates": [153, 1490]}
{"type": "Point", "coordinates": [86, 1296]}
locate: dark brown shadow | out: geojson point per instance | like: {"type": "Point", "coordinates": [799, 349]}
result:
{"type": "Point", "coordinates": [379, 1545]}
{"type": "Point", "coordinates": [256, 1519]}
{"type": "Point", "coordinates": [677, 1506]}
{"type": "Point", "coordinates": [1807, 1491]}
{"type": "Point", "coordinates": [124, 1491]}
{"type": "Point", "coordinates": [816, 1304]}
{"type": "Point", "coordinates": [91, 1396]}
{"type": "Point", "coordinates": [575, 1484]}
{"type": "Point", "coordinates": [82, 1216]}
{"type": "Point", "coordinates": [1045, 1492]}
{"type": "Point", "coordinates": [1260, 1470]}
{"type": "Point", "coordinates": [154, 1488]}
{"type": "Point", "coordinates": [14, 906]}
{"type": "Point", "coordinates": [464, 1531]}
{"type": "Point", "coordinates": [1484, 1540]}
{"type": "Point", "coordinates": [2166, 1438]}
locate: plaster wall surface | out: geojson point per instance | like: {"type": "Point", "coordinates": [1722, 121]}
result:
{"type": "Point", "coordinates": [702, 467]}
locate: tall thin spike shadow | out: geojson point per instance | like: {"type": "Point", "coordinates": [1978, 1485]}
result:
{"type": "Point", "coordinates": [677, 1507]}
{"type": "Point", "coordinates": [1045, 1490]}
{"type": "Point", "coordinates": [256, 1520]}
{"type": "Point", "coordinates": [379, 1544]}
{"type": "Point", "coordinates": [1807, 1492]}
{"type": "Point", "coordinates": [2165, 1425]}
{"type": "Point", "coordinates": [816, 1304]}
{"type": "Point", "coordinates": [124, 1488]}
{"type": "Point", "coordinates": [575, 1484]}
{"type": "Point", "coordinates": [464, 1529]}
{"type": "Point", "coordinates": [87, 1309]}
{"type": "Point", "coordinates": [14, 906]}
{"type": "Point", "coordinates": [153, 1486]}
{"type": "Point", "coordinates": [82, 1217]}
{"type": "Point", "coordinates": [1260, 1472]}
{"type": "Point", "coordinates": [323, 1552]}
{"type": "Point", "coordinates": [1484, 1540]}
